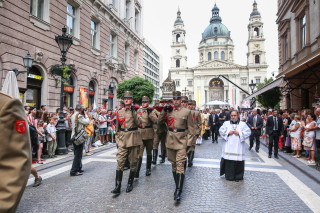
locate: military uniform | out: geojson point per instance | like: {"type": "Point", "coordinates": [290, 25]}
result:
{"type": "Point", "coordinates": [129, 140]}
{"type": "Point", "coordinates": [15, 152]}
{"type": "Point", "coordinates": [179, 122]}
{"type": "Point", "coordinates": [147, 134]}
{"type": "Point", "coordinates": [160, 136]}
{"type": "Point", "coordinates": [195, 132]}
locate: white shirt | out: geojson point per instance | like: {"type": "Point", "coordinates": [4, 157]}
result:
{"type": "Point", "coordinates": [104, 124]}
{"type": "Point", "coordinates": [51, 129]}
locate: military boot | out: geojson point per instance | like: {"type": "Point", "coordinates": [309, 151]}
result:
{"type": "Point", "coordinates": [155, 155]}
{"type": "Point", "coordinates": [117, 190]}
{"type": "Point", "coordinates": [190, 158]}
{"type": "Point", "coordinates": [163, 156]}
{"type": "Point", "coordinates": [148, 169]}
{"type": "Point", "coordinates": [130, 181]}
{"type": "Point", "coordinates": [138, 168]}
{"type": "Point", "coordinates": [175, 181]}
{"type": "Point", "coordinates": [180, 181]}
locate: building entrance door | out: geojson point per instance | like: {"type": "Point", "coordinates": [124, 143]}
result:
{"type": "Point", "coordinates": [216, 90]}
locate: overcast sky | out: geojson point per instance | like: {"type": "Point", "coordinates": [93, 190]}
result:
{"type": "Point", "coordinates": [159, 17]}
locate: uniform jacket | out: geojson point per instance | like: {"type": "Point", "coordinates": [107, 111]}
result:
{"type": "Point", "coordinates": [177, 119]}
{"type": "Point", "coordinates": [15, 152]}
{"type": "Point", "coordinates": [126, 119]}
{"type": "Point", "coordinates": [196, 130]}
{"type": "Point", "coordinates": [146, 127]}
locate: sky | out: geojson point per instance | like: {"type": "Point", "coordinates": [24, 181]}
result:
{"type": "Point", "coordinates": [159, 17]}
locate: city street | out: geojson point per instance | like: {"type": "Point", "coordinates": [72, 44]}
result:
{"type": "Point", "coordinates": [269, 186]}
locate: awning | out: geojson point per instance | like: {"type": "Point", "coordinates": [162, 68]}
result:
{"type": "Point", "coordinates": [271, 85]}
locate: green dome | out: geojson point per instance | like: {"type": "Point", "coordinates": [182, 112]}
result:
{"type": "Point", "coordinates": [216, 29]}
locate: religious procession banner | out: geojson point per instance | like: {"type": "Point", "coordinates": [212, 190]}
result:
{"type": "Point", "coordinates": [84, 97]}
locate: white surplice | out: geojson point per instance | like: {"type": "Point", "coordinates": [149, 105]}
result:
{"type": "Point", "coordinates": [233, 146]}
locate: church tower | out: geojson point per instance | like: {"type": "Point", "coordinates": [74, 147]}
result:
{"type": "Point", "coordinates": [178, 47]}
{"type": "Point", "coordinates": [256, 41]}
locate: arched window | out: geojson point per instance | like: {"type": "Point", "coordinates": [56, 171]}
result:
{"type": "Point", "coordinates": [243, 97]}
{"type": "Point", "coordinates": [257, 59]}
{"type": "Point", "coordinates": [177, 63]}
{"type": "Point", "coordinates": [178, 38]}
{"type": "Point", "coordinates": [215, 55]}
{"type": "Point", "coordinates": [209, 56]}
{"type": "Point", "coordinates": [215, 30]}
{"type": "Point", "coordinates": [230, 55]}
{"type": "Point", "coordinates": [256, 31]}
{"type": "Point", "coordinates": [222, 55]}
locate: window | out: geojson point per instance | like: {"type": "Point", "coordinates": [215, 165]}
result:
{"type": "Point", "coordinates": [39, 9]}
{"type": "Point", "coordinates": [114, 4]}
{"type": "Point", "coordinates": [127, 10]}
{"type": "Point", "coordinates": [303, 32]}
{"type": "Point", "coordinates": [94, 32]}
{"type": "Point", "coordinates": [215, 55]}
{"type": "Point", "coordinates": [230, 55]}
{"type": "Point", "coordinates": [113, 45]}
{"type": "Point", "coordinates": [215, 30]}
{"type": "Point", "coordinates": [71, 16]}
{"type": "Point", "coordinates": [136, 61]}
{"type": "Point", "coordinates": [243, 81]}
{"type": "Point", "coordinates": [256, 31]}
{"type": "Point", "coordinates": [222, 55]}
{"type": "Point", "coordinates": [286, 47]}
{"type": "Point", "coordinates": [178, 38]}
{"type": "Point", "coordinates": [257, 80]}
{"type": "Point", "coordinates": [126, 54]}
{"type": "Point", "coordinates": [136, 20]}
{"type": "Point", "coordinates": [243, 97]}
{"type": "Point", "coordinates": [257, 59]}
{"type": "Point", "coordinates": [178, 63]}
{"type": "Point", "coordinates": [215, 39]}
{"type": "Point", "coordinates": [177, 83]}
{"type": "Point", "coordinates": [209, 56]}
{"type": "Point", "coordinates": [189, 83]}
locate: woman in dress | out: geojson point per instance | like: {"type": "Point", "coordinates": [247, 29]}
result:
{"type": "Point", "coordinates": [39, 124]}
{"type": "Point", "coordinates": [295, 133]}
{"type": "Point", "coordinates": [310, 135]}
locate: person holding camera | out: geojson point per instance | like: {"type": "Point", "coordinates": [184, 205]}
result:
{"type": "Point", "coordinates": [79, 121]}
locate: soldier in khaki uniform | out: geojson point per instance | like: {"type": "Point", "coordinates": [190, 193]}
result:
{"type": "Point", "coordinates": [147, 134]}
{"type": "Point", "coordinates": [179, 122]}
{"type": "Point", "coordinates": [15, 152]}
{"type": "Point", "coordinates": [160, 136]}
{"type": "Point", "coordinates": [196, 131]}
{"type": "Point", "coordinates": [128, 140]}
{"type": "Point", "coordinates": [184, 103]}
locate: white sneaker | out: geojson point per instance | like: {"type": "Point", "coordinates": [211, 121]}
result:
{"type": "Point", "coordinates": [311, 162]}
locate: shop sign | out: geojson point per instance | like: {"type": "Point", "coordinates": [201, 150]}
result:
{"type": "Point", "coordinates": [91, 92]}
{"type": "Point", "coordinates": [68, 89]}
{"type": "Point", "coordinates": [110, 95]}
{"type": "Point", "coordinates": [37, 77]}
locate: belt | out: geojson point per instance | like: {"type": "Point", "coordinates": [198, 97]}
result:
{"type": "Point", "coordinates": [128, 130]}
{"type": "Point", "coordinates": [177, 130]}
{"type": "Point", "coordinates": [146, 127]}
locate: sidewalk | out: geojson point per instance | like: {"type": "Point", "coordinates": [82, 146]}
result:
{"type": "Point", "coordinates": [68, 157]}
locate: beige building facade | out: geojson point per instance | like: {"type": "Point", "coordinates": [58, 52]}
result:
{"type": "Point", "coordinates": [107, 48]}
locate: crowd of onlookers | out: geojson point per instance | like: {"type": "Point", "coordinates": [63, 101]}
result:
{"type": "Point", "coordinates": [101, 130]}
{"type": "Point", "coordinates": [300, 135]}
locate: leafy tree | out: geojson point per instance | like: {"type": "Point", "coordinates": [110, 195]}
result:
{"type": "Point", "coordinates": [65, 71]}
{"type": "Point", "coordinates": [271, 98]}
{"type": "Point", "coordinates": [138, 86]}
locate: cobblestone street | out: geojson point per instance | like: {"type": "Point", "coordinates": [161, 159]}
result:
{"type": "Point", "coordinates": [269, 186]}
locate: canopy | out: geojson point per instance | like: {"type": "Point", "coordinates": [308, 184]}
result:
{"type": "Point", "coordinates": [271, 85]}
{"type": "Point", "coordinates": [10, 85]}
{"type": "Point", "coordinates": [216, 103]}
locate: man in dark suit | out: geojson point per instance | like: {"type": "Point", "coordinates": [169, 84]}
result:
{"type": "Point", "coordinates": [214, 126]}
{"type": "Point", "coordinates": [274, 128]}
{"type": "Point", "coordinates": [255, 123]}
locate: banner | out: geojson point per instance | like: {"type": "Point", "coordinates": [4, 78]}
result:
{"type": "Point", "coordinates": [84, 97]}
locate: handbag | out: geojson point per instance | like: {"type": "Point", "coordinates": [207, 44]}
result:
{"type": "Point", "coordinates": [79, 137]}
{"type": "Point", "coordinates": [307, 141]}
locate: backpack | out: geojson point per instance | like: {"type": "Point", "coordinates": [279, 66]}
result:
{"type": "Point", "coordinates": [79, 137]}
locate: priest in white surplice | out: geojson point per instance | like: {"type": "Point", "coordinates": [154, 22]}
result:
{"type": "Point", "coordinates": [234, 133]}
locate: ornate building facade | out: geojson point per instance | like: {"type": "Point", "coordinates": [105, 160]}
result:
{"type": "Point", "coordinates": [216, 58]}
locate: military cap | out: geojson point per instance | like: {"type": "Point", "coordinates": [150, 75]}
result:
{"type": "Point", "coordinates": [145, 99]}
{"type": "Point", "coordinates": [190, 102]}
{"type": "Point", "coordinates": [176, 95]}
{"type": "Point", "coordinates": [184, 99]}
{"type": "Point", "coordinates": [128, 94]}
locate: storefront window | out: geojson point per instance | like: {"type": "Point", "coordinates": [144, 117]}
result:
{"type": "Point", "coordinates": [68, 93]}
{"type": "Point", "coordinates": [34, 83]}
{"type": "Point", "coordinates": [91, 94]}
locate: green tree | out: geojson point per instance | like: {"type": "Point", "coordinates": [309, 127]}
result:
{"type": "Point", "coordinates": [271, 98]}
{"type": "Point", "coordinates": [138, 86]}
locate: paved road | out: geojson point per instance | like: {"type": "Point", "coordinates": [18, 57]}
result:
{"type": "Point", "coordinates": [269, 186]}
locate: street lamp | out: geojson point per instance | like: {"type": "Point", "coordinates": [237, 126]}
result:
{"type": "Point", "coordinates": [252, 87]}
{"type": "Point", "coordinates": [64, 42]}
{"type": "Point", "coordinates": [27, 63]}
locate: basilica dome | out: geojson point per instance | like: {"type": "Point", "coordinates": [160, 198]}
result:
{"type": "Point", "coordinates": [216, 28]}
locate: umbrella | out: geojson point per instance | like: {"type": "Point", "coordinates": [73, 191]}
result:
{"type": "Point", "coordinates": [10, 85]}
{"type": "Point", "coordinates": [216, 103]}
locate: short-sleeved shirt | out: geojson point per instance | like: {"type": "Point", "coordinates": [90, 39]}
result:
{"type": "Point", "coordinates": [108, 118]}
{"type": "Point", "coordinates": [51, 129]}
{"type": "Point", "coordinates": [104, 124]}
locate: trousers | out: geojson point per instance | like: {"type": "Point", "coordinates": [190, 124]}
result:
{"type": "Point", "coordinates": [177, 158]}
{"type": "Point", "coordinates": [160, 138]}
{"type": "Point", "coordinates": [273, 141]}
{"type": "Point", "coordinates": [148, 144]}
{"type": "Point", "coordinates": [88, 143]}
{"type": "Point", "coordinates": [76, 165]}
{"type": "Point", "coordinates": [132, 153]}
{"type": "Point", "coordinates": [52, 146]}
{"type": "Point", "coordinates": [255, 134]}
{"type": "Point", "coordinates": [215, 132]}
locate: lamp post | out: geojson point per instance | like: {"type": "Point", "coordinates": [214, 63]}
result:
{"type": "Point", "coordinates": [27, 63]}
{"type": "Point", "coordinates": [64, 42]}
{"type": "Point", "coordinates": [252, 87]}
